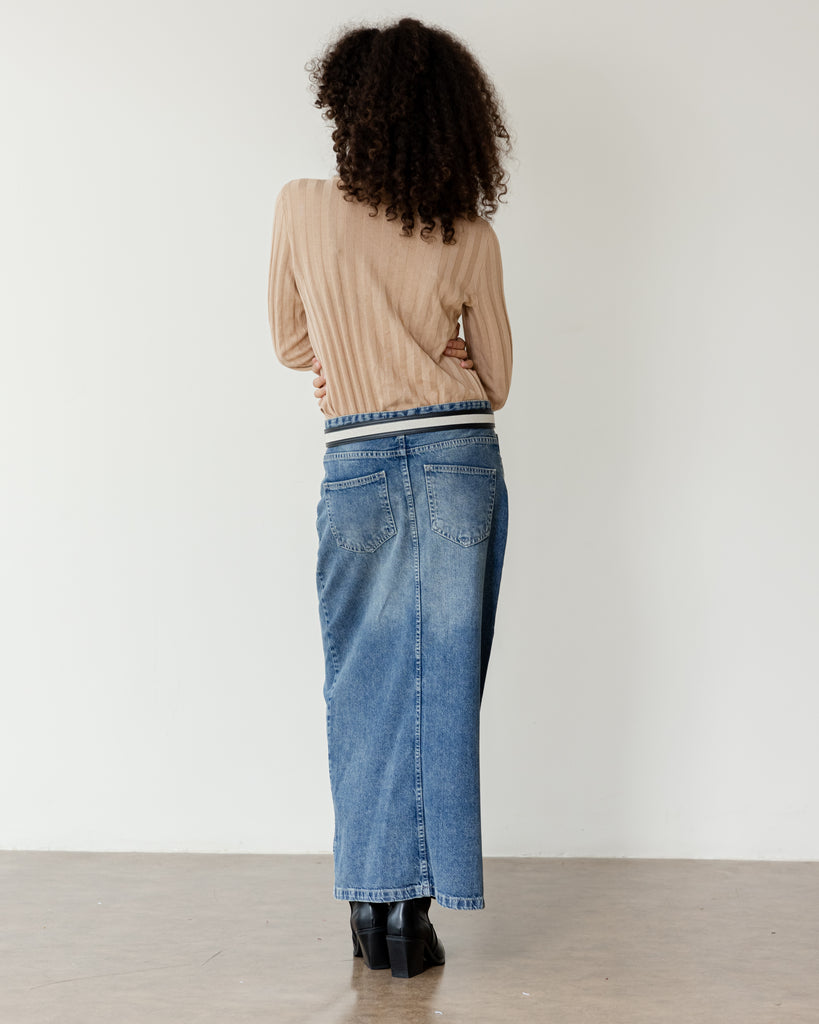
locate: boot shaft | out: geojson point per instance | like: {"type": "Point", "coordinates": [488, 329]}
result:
{"type": "Point", "coordinates": [364, 916]}
{"type": "Point", "coordinates": [410, 918]}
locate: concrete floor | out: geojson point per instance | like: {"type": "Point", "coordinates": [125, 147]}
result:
{"type": "Point", "coordinates": [190, 938]}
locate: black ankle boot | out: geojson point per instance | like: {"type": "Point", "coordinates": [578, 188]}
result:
{"type": "Point", "coordinates": [411, 940]}
{"type": "Point", "coordinates": [368, 922]}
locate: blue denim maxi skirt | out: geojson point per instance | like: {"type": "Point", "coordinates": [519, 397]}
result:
{"type": "Point", "coordinates": [412, 532]}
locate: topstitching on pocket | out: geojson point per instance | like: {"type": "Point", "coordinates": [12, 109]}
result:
{"type": "Point", "coordinates": [359, 511]}
{"type": "Point", "coordinates": [461, 500]}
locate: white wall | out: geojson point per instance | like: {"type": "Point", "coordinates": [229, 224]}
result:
{"type": "Point", "coordinates": [653, 691]}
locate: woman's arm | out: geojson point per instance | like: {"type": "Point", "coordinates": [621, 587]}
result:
{"type": "Point", "coordinates": [456, 347]}
{"type": "Point", "coordinates": [486, 325]}
{"type": "Point", "coordinates": [288, 319]}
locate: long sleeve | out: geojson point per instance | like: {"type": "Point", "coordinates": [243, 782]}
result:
{"type": "Point", "coordinates": [486, 326]}
{"type": "Point", "coordinates": [286, 313]}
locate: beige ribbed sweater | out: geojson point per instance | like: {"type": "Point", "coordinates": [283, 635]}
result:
{"type": "Point", "coordinates": [378, 308]}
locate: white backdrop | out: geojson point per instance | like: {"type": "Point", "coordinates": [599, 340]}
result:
{"type": "Point", "coordinates": [654, 688]}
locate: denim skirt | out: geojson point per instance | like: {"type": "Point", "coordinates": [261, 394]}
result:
{"type": "Point", "coordinates": [412, 531]}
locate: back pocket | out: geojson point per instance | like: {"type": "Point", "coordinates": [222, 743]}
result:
{"type": "Point", "coordinates": [461, 500]}
{"type": "Point", "coordinates": [359, 511]}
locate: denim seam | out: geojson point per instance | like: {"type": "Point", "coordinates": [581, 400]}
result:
{"type": "Point", "coordinates": [419, 797]}
{"type": "Point", "coordinates": [331, 644]}
{"type": "Point", "coordinates": [409, 892]}
{"type": "Point", "coordinates": [412, 449]}
{"type": "Point", "coordinates": [329, 695]}
{"type": "Point", "coordinates": [348, 419]}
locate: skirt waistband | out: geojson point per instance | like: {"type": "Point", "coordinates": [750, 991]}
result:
{"type": "Point", "coordinates": [413, 423]}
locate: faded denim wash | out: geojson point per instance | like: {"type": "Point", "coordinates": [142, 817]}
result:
{"type": "Point", "coordinates": [412, 534]}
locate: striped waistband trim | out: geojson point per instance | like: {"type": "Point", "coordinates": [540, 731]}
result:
{"type": "Point", "coordinates": [368, 429]}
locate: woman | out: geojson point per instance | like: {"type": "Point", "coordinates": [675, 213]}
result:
{"type": "Point", "coordinates": [412, 516]}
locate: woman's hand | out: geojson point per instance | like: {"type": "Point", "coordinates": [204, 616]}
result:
{"type": "Point", "coordinates": [319, 383]}
{"type": "Point", "coordinates": [455, 347]}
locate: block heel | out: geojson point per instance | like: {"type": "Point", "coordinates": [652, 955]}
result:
{"type": "Point", "coordinates": [406, 956]}
{"type": "Point", "coordinates": [371, 944]}
{"type": "Point", "coordinates": [411, 939]}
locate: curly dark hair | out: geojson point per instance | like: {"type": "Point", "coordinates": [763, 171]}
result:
{"type": "Point", "coordinates": [418, 124]}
